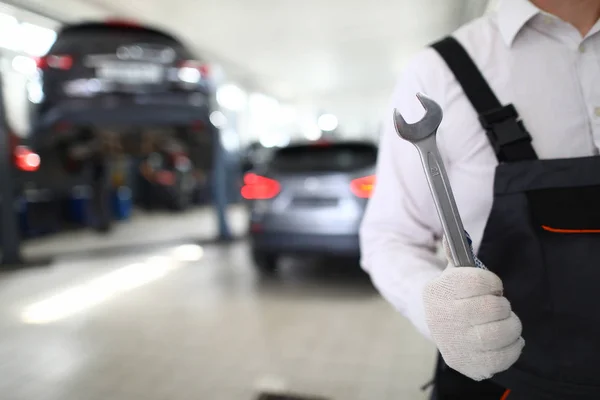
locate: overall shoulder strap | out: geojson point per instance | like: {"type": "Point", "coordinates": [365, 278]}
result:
{"type": "Point", "coordinates": [504, 129]}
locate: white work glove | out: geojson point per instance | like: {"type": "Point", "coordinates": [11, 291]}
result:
{"type": "Point", "coordinates": [471, 322]}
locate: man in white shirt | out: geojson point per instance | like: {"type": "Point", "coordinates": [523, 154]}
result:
{"type": "Point", "coordinates": [527, 187]}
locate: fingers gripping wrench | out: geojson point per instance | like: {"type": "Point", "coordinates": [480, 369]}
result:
{"type": "Point", "coordinates": [422, 134]}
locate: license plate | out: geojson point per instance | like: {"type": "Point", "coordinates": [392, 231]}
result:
{"type": "Point", "coordinates": [315, 202]}
{"type": "Point", "coordinates": [130, 73]}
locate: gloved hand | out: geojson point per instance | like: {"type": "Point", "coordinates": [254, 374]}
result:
{"type": "Point", "coordinates": [471, 322]}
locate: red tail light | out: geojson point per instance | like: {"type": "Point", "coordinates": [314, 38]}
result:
{"type": "Point", "coordinates": [258, 187]}
{"type": "Point", "coordinates": [63, 61]}
{"type": "Point", "coordinates": [41, 63]}
{"type": "Point", "coordinates": [363, 187]}
{"type": "Point", "coordinates": [204, 70]}
{"type": "Point", "coordinates": [26, 160]}
{"type": "Point", "coordinates": [198, 125]}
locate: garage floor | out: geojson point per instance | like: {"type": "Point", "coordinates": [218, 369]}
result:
{"type": "Point", "coordinates": [182, 321]}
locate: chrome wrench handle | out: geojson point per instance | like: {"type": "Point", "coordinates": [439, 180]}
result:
{"type": "Point", "coordinates": [445, 204]}
{"type": "Point", "coordinates": [422, 135]}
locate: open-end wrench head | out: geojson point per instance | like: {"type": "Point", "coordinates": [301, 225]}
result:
{"type": "Point", "coordinates": [424, 128]}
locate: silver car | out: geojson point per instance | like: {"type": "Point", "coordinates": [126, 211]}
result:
{"type": "Point", "coordinates": [309, 198]}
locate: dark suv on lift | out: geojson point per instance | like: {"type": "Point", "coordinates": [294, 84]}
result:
{"type": "Point", "coordinates": [115, 86]}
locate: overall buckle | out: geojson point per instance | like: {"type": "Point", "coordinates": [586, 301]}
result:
{"type": "Point", "coordinates": [506, 132]}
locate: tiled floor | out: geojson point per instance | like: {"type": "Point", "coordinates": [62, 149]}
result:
{"type": "Point", "coordinates": [164, 329]}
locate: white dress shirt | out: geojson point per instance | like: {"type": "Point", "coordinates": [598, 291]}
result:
{"type": "Point", "coordinates": [534, 60]}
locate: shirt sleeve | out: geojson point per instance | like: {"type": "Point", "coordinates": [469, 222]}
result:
{"type": "Point", "coordinates": [400, 229]}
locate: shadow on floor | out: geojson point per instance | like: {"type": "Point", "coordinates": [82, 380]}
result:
{"type": "Point", "coordinates": [270, 396]}
{"type": "Point", "coordinates": [314, 276]}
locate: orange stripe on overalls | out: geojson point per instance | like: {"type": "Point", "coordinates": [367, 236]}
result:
{"type": "Point", "coordinates": [558, 230]}
{"type": "Point", "coordinates": [505, 395]}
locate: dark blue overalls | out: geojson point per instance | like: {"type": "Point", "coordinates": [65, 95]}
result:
{"type": "Point", "coordinates": [542, 239]}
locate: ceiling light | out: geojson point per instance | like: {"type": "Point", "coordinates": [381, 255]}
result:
{"type": "Point", "coordinates": [313, 133]}
{"type": "Point", "coordinates": [230, 140]}
{"type": "Point", "coordinates": [288, 115]}
{"type": "Point", "coordinates": [24, 65]}
{"type": "Point", "coordinates": [35, 94]}
{"type": "Point", "coordinates": [10, 37]}
{"type": "Point", "coordinates": [218, 119]}
{"type": "Point", "coordinates": [284, 140]}
{"type": "Point", "coordinates": [268, 140]}
{"type": "Point", "coordinates": [36, 40]}
{"type": "Point", "coordinates": [231, 97]}
{"type": "Point", "coordinates": [263, 107]}
{"type": "Point", "coordinates": [327, 122]}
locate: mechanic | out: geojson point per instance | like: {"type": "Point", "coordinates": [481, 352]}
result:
{"type": "Point", "coordinates": [528, 191]}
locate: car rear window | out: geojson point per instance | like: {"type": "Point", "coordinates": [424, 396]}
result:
{"type": "Point", "coordinates": [90, 38]}
{"type": "Point", "coordinates": [324, 158]}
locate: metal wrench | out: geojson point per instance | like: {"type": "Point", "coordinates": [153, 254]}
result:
{"type": "Point", "coordinates": [422, 134]}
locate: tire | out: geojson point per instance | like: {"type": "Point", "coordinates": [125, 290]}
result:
{"type": "Point", "coordinates": [265, 262]}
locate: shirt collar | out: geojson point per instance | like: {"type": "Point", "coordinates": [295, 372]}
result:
{"type": "Point", "coordinates": [512, 17]}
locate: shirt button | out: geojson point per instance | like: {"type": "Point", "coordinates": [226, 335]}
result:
{"type": "Point", "coordinates": [597, 111]}
{"type": "Point", "coordinates": [581, 48]}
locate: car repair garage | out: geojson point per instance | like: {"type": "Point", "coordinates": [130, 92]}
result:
{"type": "Point", "coordinates": [267, 201]}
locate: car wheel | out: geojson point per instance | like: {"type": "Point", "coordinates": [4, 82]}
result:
{"type": "Point", "coordinates": [264, 262]}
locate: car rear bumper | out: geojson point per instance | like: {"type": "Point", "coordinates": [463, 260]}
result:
{"type": "Point", "coordinates": [343, 245]}
{"type": "Point", "coordinates": [155, 110]}
{"type": "Point", "coordinates": [52, 178]}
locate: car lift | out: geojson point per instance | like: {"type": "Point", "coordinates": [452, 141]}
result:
{"type": "Point", "coordinates": [10, 232]}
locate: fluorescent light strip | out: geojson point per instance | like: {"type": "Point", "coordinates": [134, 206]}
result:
{"type": "Point", "coordinates": [99, 290]}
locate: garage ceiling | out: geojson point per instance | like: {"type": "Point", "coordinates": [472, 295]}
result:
{"type": "Point", "coordinates": [340, 56]}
